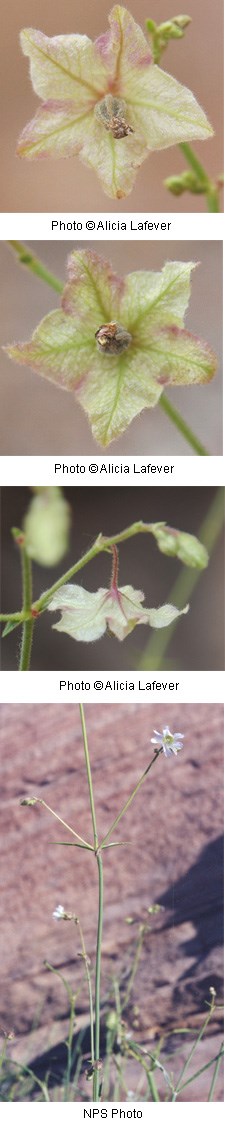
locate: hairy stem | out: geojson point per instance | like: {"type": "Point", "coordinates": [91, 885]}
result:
{"type": "Point", "coordinates": [28, 625]}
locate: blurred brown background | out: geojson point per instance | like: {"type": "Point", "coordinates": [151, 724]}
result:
{"type": "Point", "coordinates": [36, 417]}
{"type": "Point", "coordinates": [173, 857]}
{"type": "Point", "coordinates": [196, 61]}
{"type": "Point", "coordinates": [197, 642]}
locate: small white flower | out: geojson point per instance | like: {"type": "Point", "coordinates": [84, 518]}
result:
{"type": "Point", "coordinates": [59, 913]}
{"type": "Point", "coordinates": [170, 742]}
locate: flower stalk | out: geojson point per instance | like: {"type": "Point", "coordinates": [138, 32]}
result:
{"type": "Point", "coordinates": [28, 621]}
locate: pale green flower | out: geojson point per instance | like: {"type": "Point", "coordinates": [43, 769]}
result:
{"type": "Point", "coordinates": [117, 343]}
{"type": "Point", "coordinates": [87, 615]}
{"type": "Point", "coordinates": [106, 101]}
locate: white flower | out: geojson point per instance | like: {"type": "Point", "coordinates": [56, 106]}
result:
{"type": "Point", "coordinates": [59, 913]}
{"type": "Point", "coordinates": [170, 742]}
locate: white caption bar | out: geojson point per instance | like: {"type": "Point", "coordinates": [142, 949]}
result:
{"type": "Point", "coordinates": [111, 470]}
{"type": "Point", "coordinates": [112, 686]}
{"type": "Point", "coordinates": [122, 225]}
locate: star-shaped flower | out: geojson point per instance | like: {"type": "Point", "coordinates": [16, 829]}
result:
{"type": "Point", "coordinates": [170, 742]}
{"type": "Point", "coordinates": [118, 342]}
{"type": "Point", "coordinates": [86, 615]}
{"type": "Point", "coordinates": [106, 101]}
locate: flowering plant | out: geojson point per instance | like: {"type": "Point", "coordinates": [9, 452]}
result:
{"type": "Point", "coordinates": [118, 343]}
{"type": "Point", "coordinates": [107, 101]}
{"type": "Point", "coordinates": [85, 615]}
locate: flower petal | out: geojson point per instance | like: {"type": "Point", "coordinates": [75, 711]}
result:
{"type": "Point", "coordinates": [86, 615]}
{"type": "Point", "coordinates": [177, 357]}
{"type": "Point", "coordinates": [57, 130]}
{"type": "Point", "coordinates": [123, 47]}
{"type": "Point", "coordinates": [83, 613]}
{"type": "Point", "coordinates": [62, 129]}
{"type": "Point", "coordinates": [114, 161]}
{"type": "Point", "coordinates": [57, 350]}
{"type": "Point", "coordinates": [115, 391]}
{"type": "Point", "coordinates": [65, 66]}
{"type": "Point", "coordinates": [162, 617]}
{"type": "Point", "coordinates": [160, 298]}
{"type": "Point", "coordinates": [93, 292]}
{"type": "Point", "coordinates": [162, 111]}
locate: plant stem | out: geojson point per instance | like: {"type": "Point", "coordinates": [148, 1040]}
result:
{"type": "Point", "coordinates": [182, 426]}
{"type": "Point", "coordinates": [215, 1073]}
{"type": "Point", "coordinates": [89, 776]}
{"type": "Point", "coordinates": [101, 545]}
{"type": "Point", "coordinates": [194, 163]}
{"type": "Point", "coordinates": [86, 962]}
{"type": "Point", "coordinates": [98, 978]}
{"type": "Point", "coordinates": [28, 625]}
{"type": "Point", "coordinates": [66, 825]}
{"type": "Point", "coordinates": [35, 265]}
{"type": "Point", "coordinates": [154, 654]}
{"type": "Point", "coordinates": [194, 1046]}
{"type": "Point", "coordinates": [134, 968]}
{"type": "Point", "coordinates": [210, 190]}
{"type": "Point", "coordinates": [100, 911]}
{"type": "Point", "coordinates": [130, 798]}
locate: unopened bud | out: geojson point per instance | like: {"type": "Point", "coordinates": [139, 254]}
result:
{"type": "Point", "coordinates": [175, 28]}
{"type": "Point", "coordinates": [46, 526]}
{"type": "Point", "coordinates": [29, 803]}
{"type": "Point", "coordinates": [185, 546]}
{"type": "Point", "coordinates": [186, 182]}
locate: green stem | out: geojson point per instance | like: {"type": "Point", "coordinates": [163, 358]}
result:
{"type": "Point", "coordinates": [210, 190]}
{"type": "Point", "coordinates": [16, 617]}
{"type": "Point", "coordinates": [89, 776]}
{"type": "Point", "coordinates": [130, 798]}
{"type": "Point", "coordinates": [212, 197]}
{"type": "Point", "coordinates": [194, 163]}
{"type": "Point", "coordinates": [35, 265]}
{"type": "Point", "coordinates": [101, 545]}
{"type": "Point", "coordinates": [182, 426]}
{"type": "Point", "coordinates": [215, 1073]}
{"type": "Point", "coordinates": [86, 962]}
{"type": "Point", "coordinates": [153, 655]}
{"type": "Point", "coordinates": [194, 1046]}
{"type": "Point", "coordinates": [100, 911]}
{"type": "Point", "coordinates": [149, 1073]}
{"type": "Point", "coordinates": [66, 825]}
{"type": "Point", "coordinates": [28, 625]}
{"type": "Point", "coordinates": [134, 968]}
{"type": "Point", "coordinates": [98, 977]}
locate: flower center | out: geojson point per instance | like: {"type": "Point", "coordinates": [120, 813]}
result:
{"type": "Point", "coordinates": [112, 338]}
{"type": "Point", "coordinates": [112, 112]}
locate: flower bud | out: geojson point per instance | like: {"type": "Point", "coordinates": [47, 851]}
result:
{"type": "Point", "coordinates": [29, 803]}
{"type": "Point", "coordinates": [46, 526]}
{"type": "Point", "coordinates": [186, 182]}
{"type": "Point", "coordinates": [185, 546]}
{"type": "Point", "coordinates": [175, 28]}
{"type": "Point", "coordinates": [192, 552]}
